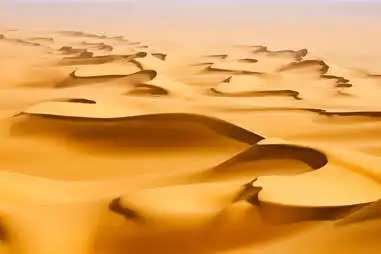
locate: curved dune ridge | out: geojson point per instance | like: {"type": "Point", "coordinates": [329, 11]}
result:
{"type": "Point", "coordinates": [169, 86]}
{"type": "Point", "coordinates": [98, 46]}
{"type": "Point", "coordinates": [127, 71]}
{"type": "Point", "coordinates": [44, 39]}
{"type": "Point", "coordinates": [311, 157]}
{"type": "Point", "coordinates": [289, 93]}
{"type": "Point", "coordinates": [321, 66]}
{"type": "Point", "coordinates": [19, 41]}
{"type": "Point", "coordinates": [297, 54]}
{"type": "Point", "coordinates": [90, 59]}
{"type": "Point", "coordinates": [81, 34]}
{"type": "Point", "coordinates": [87, 109]}
{"type": "Point", "coordinates": [238, 86]}
{"type": "Point", "coordinates": [138, 146]}
{"type": "Point", "coordinates": [161, 56]}
{"type": "Point", "coordinates": [143, 89]}
{"type": "Point", "coordinates": [113, 69]}
{"type": "Point", "coordinates": [75, 53]}
{"type": "Point", "coordinates": [71, 50]}
{"type": "Point", "coordinates": [251, 86]}
{"type": "Point", "coordinates": [260, 60]}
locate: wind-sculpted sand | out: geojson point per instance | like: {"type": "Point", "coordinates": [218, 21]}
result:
{"type": "Point", "coordinates": [110, 145]}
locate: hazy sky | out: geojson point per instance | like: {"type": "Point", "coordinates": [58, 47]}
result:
{"type": "Point", "coordinates": [177, 12]}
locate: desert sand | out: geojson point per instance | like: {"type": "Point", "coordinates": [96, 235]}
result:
{"type": "Point", "coordinates": [111, 145]}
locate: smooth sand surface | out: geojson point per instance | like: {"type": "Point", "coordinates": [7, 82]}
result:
{"type": "Point", "coordinates": [109, 144]}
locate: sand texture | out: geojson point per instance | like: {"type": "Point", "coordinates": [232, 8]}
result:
{"type": "Point", "coordinates": [110, 145]}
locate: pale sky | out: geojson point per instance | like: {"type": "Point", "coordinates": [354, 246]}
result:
{"type": "Point", "coordinates": [177, 11]}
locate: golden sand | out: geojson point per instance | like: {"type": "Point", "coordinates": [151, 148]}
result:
{"type": "Point", "coordinates": [110, 145]}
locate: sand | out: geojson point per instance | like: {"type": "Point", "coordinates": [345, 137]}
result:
{"type": "Point", "coordinates": [113, 144]}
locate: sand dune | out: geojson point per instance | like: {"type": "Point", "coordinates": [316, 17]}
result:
{"type": "Point", "coordinates": [19, 41]}
{"type": "Point", "coordinates": [84, 54]}
{"type": "Point", "coordinates": [161, 56]}
{"type": "Point", "coordinates": [170, 87]}
{"type": "Point", "coordinates": [81, 34]}
{"type": "Point", "coordinates": [98, 46]}
{"type": "Point", "coordinates": [289, 93]}
{"type": "Point", "coordinates": [259, 61]}
{"type": "Point", "coordinates": [90, 110]}
{"type": "Point", "coordinates": [44, 39]}
{"type": "Point", "coordinates": [70, 50]}
{"type": "Point", "coordinates": [116, 68]}
{"type": "Point", "coordinates": [101, 72]}
{"type": "Point", "coordinates": [90, 60]}
{"type": "Point", "coordinates": [321, 66]}
{"type": "Point", "coordinates": [116, 145]}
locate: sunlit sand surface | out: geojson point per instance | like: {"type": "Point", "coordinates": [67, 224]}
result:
{"type": "Point", "coordinates": [179, 143]}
